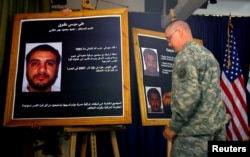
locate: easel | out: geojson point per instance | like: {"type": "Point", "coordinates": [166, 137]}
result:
{"type": "Point", "coordinates": [92, 130]}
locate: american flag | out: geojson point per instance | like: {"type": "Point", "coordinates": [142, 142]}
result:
{"type": "Point", "coordinates": [233, 91]}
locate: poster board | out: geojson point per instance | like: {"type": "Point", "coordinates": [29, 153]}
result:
{"type": "Point", "coordinates": [93, 83]}
{"type": "Point", "coordinates": [161, 81]}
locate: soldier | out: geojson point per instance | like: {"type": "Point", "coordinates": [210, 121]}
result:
{"type": "Point", "coordinates": [198, 113]}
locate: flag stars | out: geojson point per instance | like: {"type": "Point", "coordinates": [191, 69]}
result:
{"type": "Point", "coordinates": [231, 63]}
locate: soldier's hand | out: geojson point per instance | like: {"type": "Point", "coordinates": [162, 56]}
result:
{"type": "Point", "coordinates": [168, 133]}
{"type": "Point", "coordinates": [166, 99]}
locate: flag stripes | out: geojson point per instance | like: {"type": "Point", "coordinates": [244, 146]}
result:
{"type": "Point", "coordinates": [236, 107]}
{"type": "Point", "coordinates": [234, 90]}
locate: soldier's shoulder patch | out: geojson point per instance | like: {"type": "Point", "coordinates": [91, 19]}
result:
{"type": "Point", "coordinates": [183, 73]}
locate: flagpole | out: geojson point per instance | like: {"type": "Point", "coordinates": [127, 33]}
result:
{"type": "Point", "coordinates": [229, 27]}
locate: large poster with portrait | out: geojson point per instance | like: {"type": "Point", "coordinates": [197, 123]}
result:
{"type": "Point", "coordinates": [61, 68]}
{"type": "Point", "coordinates": [154, 63]}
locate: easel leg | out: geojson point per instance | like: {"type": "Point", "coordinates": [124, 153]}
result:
{"type": "Point", "coordinates": [84, 146]}
{"type": "Point", "coordinates": [72, 145]}
{"type": "Point", "coordinates": [169, 147]}
{"type": "Point", "coordinates": [93, 144]}
{"type": "Point", "coordinates": [114, 144]}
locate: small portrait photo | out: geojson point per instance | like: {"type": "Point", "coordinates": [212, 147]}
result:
{"type": "Point", "coordinates": [150, 61]}
{"type": "Point", "coordinates": [154, 100]}
{"type": "Point", "coordinates": [42, 67]}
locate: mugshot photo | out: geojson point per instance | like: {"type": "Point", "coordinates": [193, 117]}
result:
{"type": "Point", "coordinates": [150, 61]}
{"type": "Point", "coordinates": [154, 100]}
{"type": "Point", "coordinates": [42, 67]}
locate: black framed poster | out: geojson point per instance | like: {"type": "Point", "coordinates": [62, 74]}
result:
{"type": "Point", "coordinates": [89, 78]}
{"type": "Point", "coordinates": [154, 64]}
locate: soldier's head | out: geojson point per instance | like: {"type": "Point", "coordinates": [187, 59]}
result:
{"type": "Point", "coordinates": [177, 33]}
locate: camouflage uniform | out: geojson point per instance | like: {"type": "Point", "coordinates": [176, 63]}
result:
{"type": "Point", "coordinates": [198, 113]}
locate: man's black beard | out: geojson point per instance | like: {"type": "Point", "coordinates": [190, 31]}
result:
{"type": "Point", "coordinates": [41, 87]}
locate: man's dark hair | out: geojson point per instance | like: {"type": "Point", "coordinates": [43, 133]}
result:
{"type": "Point", "coordinates": [153, 90]}
{"type": "Point", "coordinates": [45, 47]}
